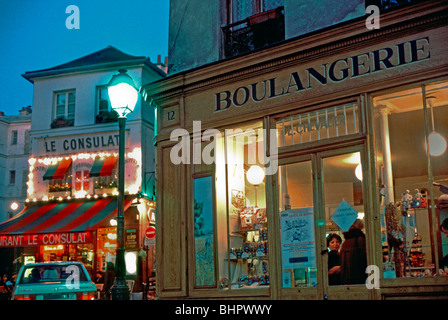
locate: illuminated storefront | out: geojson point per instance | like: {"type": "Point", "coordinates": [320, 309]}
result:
{"type": "Point", "coordinates": [72, 181]}
{"type": "Point", "coordinates": [339, 130]}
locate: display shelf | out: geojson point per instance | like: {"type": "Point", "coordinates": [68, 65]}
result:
{"type": "Point", "coordinates": [248, 257]}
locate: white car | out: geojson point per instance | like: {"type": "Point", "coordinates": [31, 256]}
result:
{"type": "Point", "coordinates": [54, 281]}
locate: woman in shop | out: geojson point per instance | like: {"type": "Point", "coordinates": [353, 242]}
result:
{"type": "Point", "coordinates": [353, 255]}
{"type": "Point", "coordinates": [334, 260]}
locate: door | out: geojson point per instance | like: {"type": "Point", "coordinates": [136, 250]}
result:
{"type": "Point", "coordinates": [320, 197]}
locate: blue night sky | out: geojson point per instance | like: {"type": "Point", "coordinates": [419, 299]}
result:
{"type": "Point", "coordinates": [34, 36]}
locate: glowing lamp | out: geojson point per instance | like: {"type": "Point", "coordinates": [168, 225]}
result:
{"type": "Point", "coordinates": [14, 206]}
{"type": "Point", "coordinates": [437, 144]}
{"type": "Point", "coordinates": [255, 175]}
{"type": "Point", "coordinates": [123, 93]}
{"type": "Point", "coordinates": [358, 172]}
{"type": "Point", "coordinates": [131, 263]}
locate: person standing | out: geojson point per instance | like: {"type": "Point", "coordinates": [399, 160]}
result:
{"type": "Point", "coordinates": [334, 260]}
{"type": "Point", "coordinates": [109, 279]}
{"type": "Point", "coordinates": [353, 255]}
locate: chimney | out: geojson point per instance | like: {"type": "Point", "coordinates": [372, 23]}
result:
{"type": "Point", "coordinates": [25, 110]}
{"type": "Point", "coordinates": [160, 65]}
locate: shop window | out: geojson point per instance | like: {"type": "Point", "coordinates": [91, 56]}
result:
{"type": "Point", "coordinates": [344, 219]}
{"type": "Point", "coordinates": [318, 125]}
{"type": "Point", "coordinates": [106, 184]}
{"type": "Point", "coordinates": [241, 221]}
{"type": "Point", "coordinates": [298, 244]}
{"type": "Point", "coordinates": [204, 236]}
{"type": "Point", "coordinates": [106, 247]}
{"type": "Point", "coordinates": [411, 178]}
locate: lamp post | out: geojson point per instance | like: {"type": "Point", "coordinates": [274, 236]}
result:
{"type": "Point", "coordinates": [123, 95]}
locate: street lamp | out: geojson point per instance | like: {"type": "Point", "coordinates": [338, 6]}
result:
{"type": "Point", "coordinates": [123, 95]}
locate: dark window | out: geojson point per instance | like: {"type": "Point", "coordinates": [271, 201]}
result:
{"type": "Point", "coordinates": [253, 24]}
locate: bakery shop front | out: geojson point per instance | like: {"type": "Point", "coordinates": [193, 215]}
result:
{"type": "Point", "coordinates": [309, 170]}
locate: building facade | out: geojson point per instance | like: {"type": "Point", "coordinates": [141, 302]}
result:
{"type": "Point", "coordinates": [72, 182]}
{"type": "Point", "coordinates": [349, 127]}
{"type": "Point", "coordinates": [15, 151]}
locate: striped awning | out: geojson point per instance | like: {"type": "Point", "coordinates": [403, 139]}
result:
{"type": "Point", "coordinates": [58, 170]}
{"type": "Point", "coordinates": [76, 216]}
{"type": "Point", "coordinates": [103, 166]}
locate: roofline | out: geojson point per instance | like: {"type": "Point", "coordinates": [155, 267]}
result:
{"type": "Point", "coordinates": [115, 64]}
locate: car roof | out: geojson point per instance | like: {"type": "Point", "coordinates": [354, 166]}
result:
{"type": "Point", "coordinates": [61, 263]}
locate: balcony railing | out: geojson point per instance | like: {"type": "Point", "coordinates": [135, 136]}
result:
{"type": "Point", "coordinates": [255, 32]}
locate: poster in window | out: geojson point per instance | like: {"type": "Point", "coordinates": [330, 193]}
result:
{"type": "Point", "coordinates": [203, 232]}
{"type": "Point", "coordinates": [298, 243]}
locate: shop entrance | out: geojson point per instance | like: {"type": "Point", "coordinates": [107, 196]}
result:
{"type": "Point", "coordinates": [320, 198]}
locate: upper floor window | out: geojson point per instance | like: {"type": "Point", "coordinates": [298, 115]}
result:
{"type": "Point", "coordinates": [253, 24]}
{"type": "Point", "coordinates": [64, 109]}
{"type": "Point", "coordinates": [14, 134]}
{"type": "Point", "coordinates": [12, 177]}
{"type": "Point", "coordinates": [242, 9]}
{"type": "Point", "coordinates": [103, 107]}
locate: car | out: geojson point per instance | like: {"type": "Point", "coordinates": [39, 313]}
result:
{"type": "Point", "coordinates": [54, 281]}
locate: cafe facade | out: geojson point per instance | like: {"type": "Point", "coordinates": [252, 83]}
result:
{"type": "Point", "coordinates": [72, 184]}
{"type": "Point", "coordinates": [347, 124]}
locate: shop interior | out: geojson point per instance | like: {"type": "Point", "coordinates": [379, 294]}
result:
{"type": "Point", "coordinates": [404, 174]}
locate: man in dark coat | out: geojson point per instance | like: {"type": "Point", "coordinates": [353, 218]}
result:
{"type": "Point", "coordinates": [353, 255]}
{"type": "Point", "coordinates": [109, 279]}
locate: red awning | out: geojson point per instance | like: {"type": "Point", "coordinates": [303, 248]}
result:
{"type": "Point", "coordinates": [58, 170]}
{"type": "Point", "coordinates": [76, 216]}
{"type": "Point", "coordinates": [102, 167]}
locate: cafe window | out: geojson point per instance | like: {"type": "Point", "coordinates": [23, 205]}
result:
{"type": "Point", "coordinates": [411, 128]}
{"type": "Point", "coordinates": [82, 181]}
{"type": "Point", "coordinates": [230, 223]}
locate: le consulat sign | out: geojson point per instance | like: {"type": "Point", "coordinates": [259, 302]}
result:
{"type": "Point", "coordinates": [79, 143]}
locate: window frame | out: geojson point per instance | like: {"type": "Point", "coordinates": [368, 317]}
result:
{"type": "Point", "coordinates": [14, 137]}
{"type": "Point", "coordinates": [12, 177]}
{"type": "Point", "coordinates": [66, 105]}
{"type": "Point", "coordinates": [434, 228]}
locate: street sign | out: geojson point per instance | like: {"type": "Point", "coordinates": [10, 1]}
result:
{"type": "Point", "coordinates": [344, 215]}
{"type": "Point", "coordinates": [150, 232]}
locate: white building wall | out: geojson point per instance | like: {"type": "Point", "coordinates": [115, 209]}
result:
{"type": "Point", "coordinates": [13, 157]}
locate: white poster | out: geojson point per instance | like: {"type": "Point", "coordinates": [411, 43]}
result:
{"type": "Point", "coordinates": [298, 242]}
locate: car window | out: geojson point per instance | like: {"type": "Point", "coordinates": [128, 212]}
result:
{"type": "Point", "coordinates": [52, 273]}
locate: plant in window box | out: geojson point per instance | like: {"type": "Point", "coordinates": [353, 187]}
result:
{"type": "Point", "coordinates": [106, 116]}
{"type": "Point", "coordinates": [61, 122]}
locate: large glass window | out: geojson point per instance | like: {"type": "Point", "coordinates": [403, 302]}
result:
{"type": "Point", "coordinates": [204, 236]}
{"type": "Point", "coordinates": [242, 226]}
{"type": "Point", "coordinates": [410, 179]}
{"type": "Point", "coordinates": [298, 244]}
